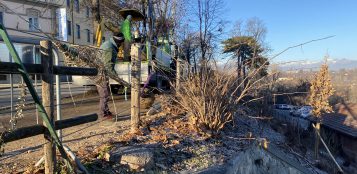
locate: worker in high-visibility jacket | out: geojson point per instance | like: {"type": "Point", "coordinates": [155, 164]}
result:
{"type": "Point", "coordinates": [106, 58]}
{"type": "Point", "coordinates": [126, 30]}
{"type": "Point", "coordinates": [109, 56]}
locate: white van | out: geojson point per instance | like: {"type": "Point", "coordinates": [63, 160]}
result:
{"type": "Point", "coordinates": [123, 69]}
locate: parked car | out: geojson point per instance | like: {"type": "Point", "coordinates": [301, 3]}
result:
{"type": "Point", "coordinates": [293, 110]}
{"type": "Point", "coordinates": [283, 106]}
{"type": "Point", "coordinates": [304, 111]}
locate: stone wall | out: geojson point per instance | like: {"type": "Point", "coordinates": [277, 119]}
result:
{"type": "Point", "coordinates": [256, 160]}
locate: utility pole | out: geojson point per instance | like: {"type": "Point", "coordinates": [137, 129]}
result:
{"type": "Point", "coordinates": [58, 77]}
{"type": "Point", "coordinates": [148, 45]}
{"type": "Point", "coordinates": [150, 38]}
{"type": "Point", "coordinates": [149, 34]}
{"type": "Point", "coordinates": [54, 24]}
{"type": "Point", "coordinates": [143, 10]}
{"type": "Point", "coordinates": [72, 16]}
{"type": "Point", "coordinates": [58, 95]}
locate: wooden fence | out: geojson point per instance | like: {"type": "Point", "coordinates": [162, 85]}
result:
{"type": "Point", "coordinates": [46, 107]}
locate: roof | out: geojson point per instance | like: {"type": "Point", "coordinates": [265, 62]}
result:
{"type": "Point", "coordinates": [340, 122]}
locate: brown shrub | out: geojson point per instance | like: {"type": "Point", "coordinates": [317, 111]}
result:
{"type": "Point", "coordinates": [209, 100]}
{"type": "Point", "coordinates": [210, 97]}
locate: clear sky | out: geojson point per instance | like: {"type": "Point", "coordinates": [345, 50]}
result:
{"type": "Point", "coordinates": [291, 22]}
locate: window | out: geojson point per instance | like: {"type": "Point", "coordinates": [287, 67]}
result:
{"type": "Point", "coordinates": [68, 3]}
{"type": "Point", "coordinates": [33, 23]}
{"type": "Point", "coordinates": [69, 28]}
{"type": "Point", "coordinates": [87, 12]}
{"type": "Point", "coordinates": [78, 31]}
{"type": "Point", "coordinates": [3, 77]}
{"type": "Point", "coordinates": [88, 35]}
{"type": "Point", "coordinates": [2, 10]}
{"type": "Point", "coordinates": [37, 56]}
{"type": "Point", "coordinates": [33, 19]}
{"type": "Point", "coordinates": [76, 5]}
{"type": "Point", "coordinates": [1, 17]}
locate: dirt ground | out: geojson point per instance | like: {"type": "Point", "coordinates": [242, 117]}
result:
{"type": "Point", "coordinates": [22, 153]}
{"type": "Point", "coordinates": [175, 146]}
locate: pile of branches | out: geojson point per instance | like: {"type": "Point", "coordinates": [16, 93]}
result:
{"type": "Point", "coordinates": [88, 56]}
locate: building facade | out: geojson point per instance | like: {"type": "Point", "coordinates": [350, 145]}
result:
{"type": "Point", "coordinates": [29, 21]}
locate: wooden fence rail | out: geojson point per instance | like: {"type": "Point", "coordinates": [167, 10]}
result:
{"type": "Point", "coordinates": [13, 68]}
{"type": "Point", "coordinates": [30, 131]}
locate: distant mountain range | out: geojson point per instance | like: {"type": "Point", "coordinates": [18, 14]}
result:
{"type": "Point", "coordinates": [334, 65]}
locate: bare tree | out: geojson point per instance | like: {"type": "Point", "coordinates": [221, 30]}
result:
{"type": "Point", "coordinates": [104, 9]}
{"type": "Point", "coordinates": [247, 44]}
{"type": "Point", "coordinates": [189, 44]}
{"type": "Point", "coordinates": [168, 16]}
{"type": "Point", "coordinates": [253, 27]}
{"type": "Point", "coordinates": [210, 26]}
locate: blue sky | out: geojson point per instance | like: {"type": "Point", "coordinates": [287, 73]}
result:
{"type": "Point", "coordinates": [290, 22]}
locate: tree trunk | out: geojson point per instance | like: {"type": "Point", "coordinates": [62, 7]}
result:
{"type": "Point", "coordinates": [244, 72]}
{"type": "Point", "coordinates": [317, 140]}
{"type": "Point", "coordinates": [239, 67]}
{"type": "Point", "coordinates": [195, 63]}
{"type": "Point", "coordinates": [244, 76]}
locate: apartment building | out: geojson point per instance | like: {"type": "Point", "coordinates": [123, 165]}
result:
{"type": "Point", "coordinates": [78, 30]}
{"type": "Point", "coordinates": [22, 19]}
{"type": "Point", "coordinates": [29, 21]}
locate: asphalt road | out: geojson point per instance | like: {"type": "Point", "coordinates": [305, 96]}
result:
{"type": "Point", "coordinates": [5, 97]}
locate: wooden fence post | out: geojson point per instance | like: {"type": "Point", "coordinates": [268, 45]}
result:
{"type": "Point", "coordinates": [178, 73]}
{"type": "Point", "coordinates": [47, 101]}
{"type": "Point", "coordinates": [178, 68]}
{"type": "Point", "coordinates": [135, 87]}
